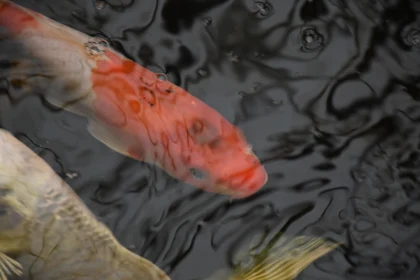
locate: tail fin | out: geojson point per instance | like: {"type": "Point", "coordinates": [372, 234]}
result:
{"type": "Point", "coordinates": [287, 259]}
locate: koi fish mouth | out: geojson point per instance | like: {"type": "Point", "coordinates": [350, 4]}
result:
{"type": "Point", "coordinates": [244, 194]}
{"type": "Point", "coordinates": [246, 182]}
{"type": "Point", "coordinates": [251, 181]}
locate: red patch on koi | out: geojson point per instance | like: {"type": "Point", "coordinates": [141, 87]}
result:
{"type": "Point", "coordinates": [124, 82]}
{"type": "Point", "coordinates": [16, 19]}
{"type": "Point", "coordinates": [134, 106]}
{"type": "Point", "coordinates": [173, 128]}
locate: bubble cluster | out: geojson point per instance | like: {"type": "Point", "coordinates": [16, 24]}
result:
{"type": "Point", "coordinates": [233, 57]}
{"type": "Point", "coordinates": [202, 72]}
{"type": "Point", "coordinates": [99, 5]}
{"type": "Point", "coordinates": [263, 8]}
{"type": "Point", "coordinates": [207, 21]}
{"type": "Point", "coordinates": [311, 40]}
{"type": "Point", "coordinates": [413, 38]}
{"type": "Point", "coordinates": [162, 76]}
{"type": "Point", "coordinates": [96, 46]}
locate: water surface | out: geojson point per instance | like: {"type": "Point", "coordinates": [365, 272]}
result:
{"type": "Point", "coordinates": [325, 91]}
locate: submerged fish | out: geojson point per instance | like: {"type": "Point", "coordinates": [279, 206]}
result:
{"type": "Point", "coordinates": [133, 110]}
{"type": "Point", "coordinates": [49, 230]}
{"type": "Point", "coordinates": [52, 235]}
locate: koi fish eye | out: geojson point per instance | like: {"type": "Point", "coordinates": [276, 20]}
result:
{"type": "Point", "coordinates": [9, 218]}
{"type": "Point", "coordinates": [4, 191]}
{"type": "Point", "coordinates": [202, 132]}
{"type": "Point", "coordinates": [197, 173]}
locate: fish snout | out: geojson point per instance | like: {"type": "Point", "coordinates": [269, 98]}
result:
{"type": "Point", "coordinates": [248, 182]}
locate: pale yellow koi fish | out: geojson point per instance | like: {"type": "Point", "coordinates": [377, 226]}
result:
{"type": "Point", "coordinates": [47, 232]}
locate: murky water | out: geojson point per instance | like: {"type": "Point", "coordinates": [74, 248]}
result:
{"type": "Point", "coordinates": [326, 92]}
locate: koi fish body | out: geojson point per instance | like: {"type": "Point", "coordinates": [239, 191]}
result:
{"type": "Point", "coordinates": [49, 230]}
{"type": "Point", "coordinates": [133, 110]}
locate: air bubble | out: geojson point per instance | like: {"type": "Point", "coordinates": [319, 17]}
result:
{"type": "Point", "coordinates": [72, 175]}
{"type": "Point", "coordinates": [207, 21]}
{"type": "Point", "coordinates": [102, 41]}
{"type": "Point", "coordinates": [311, 40]}
{"type": "Point", "coordinates": [413, 38]}
{"type": "Point", "coordinates": [202, 72]}
{"type": "Point", "coordinates": [264, 8]}
{"type": "Point", "coordinates": [99, 5]}
{"type": "Point", "coordinates": [96, 46]}
{"type": "Point", "coordinates": [258, 54]}
{"type": "Point", "coordinates": [233, 57]}
{"type": "Point", "coordinates": [162, 77]}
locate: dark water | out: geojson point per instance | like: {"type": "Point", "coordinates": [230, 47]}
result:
{"type": "Point", "coordinates": [325, 91]}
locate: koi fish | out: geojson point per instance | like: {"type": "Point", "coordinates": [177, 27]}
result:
{"type": "Point", "coordinates": [132, 110]}
{"type": "Point", "coordinates": [50, 231]}
{"type": "Point", "coordinates": [47, 232]}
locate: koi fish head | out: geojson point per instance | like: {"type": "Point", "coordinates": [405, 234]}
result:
{"type": "Point", "coordinates": [220, 160]}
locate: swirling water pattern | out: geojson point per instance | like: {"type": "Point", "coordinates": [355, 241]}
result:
{"type": "Point", "coordinates": [326, 91]}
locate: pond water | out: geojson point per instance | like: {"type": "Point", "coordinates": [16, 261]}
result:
{"type": "Point", "coordinates": [325, 91]}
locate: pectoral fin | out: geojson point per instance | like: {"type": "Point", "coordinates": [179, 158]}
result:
{"type": "Point", "coordinates": [288, 260]}
{"type": "Point", "coordinates": [283, 262]}
{"type": "Point", "coordinates": [103, 134]}
{"type": "Point", "coordinates": [9, 266]}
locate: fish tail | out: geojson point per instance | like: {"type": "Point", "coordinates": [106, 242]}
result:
{"type": "Point", "coordinates": [9, 266]}
{"type": "Point", "coordinates": [288, 259]}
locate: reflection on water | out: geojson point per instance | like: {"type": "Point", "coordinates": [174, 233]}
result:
{"type": "Point", "coordinates": [325, 91]}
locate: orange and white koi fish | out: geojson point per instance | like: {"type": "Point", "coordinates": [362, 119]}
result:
{"type": "Point", "coordinates": [133, 111]}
